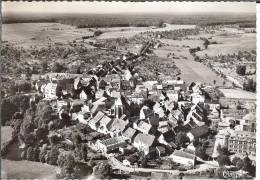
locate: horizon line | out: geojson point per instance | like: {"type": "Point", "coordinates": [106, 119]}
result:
{"type": "Point", "coordinates": [130, 13]}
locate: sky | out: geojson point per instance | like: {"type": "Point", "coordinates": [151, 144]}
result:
{"type": "Point", "coordinates": [127, 7]}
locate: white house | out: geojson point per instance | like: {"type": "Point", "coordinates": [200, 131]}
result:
{"type": "Point", "coordinates": [110, 144]}
{"type": "Point", "coordinates": [142, 127]}
{"type": "Point", "coordinates": [117, 126]}
{"type": "Point", "coordinates": [49, 91]}
{"type": "Point", "coordinates": [104, 124]}
{"type": "Point", "coordinates": [197, 98]}
{"type": "Point", "coordinates": [93, 122]}
{"type": "Point", "coordinates": [143, 142]}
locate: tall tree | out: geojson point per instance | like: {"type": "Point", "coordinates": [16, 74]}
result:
{"type": "Point", "coordinates": [182, 139]}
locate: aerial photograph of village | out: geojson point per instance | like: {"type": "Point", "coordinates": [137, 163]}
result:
{"type": "Point", "coordinates": [128, 90]}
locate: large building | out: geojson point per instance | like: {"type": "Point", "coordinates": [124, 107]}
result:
{"type": "Point", "coordinates": [242, 142]}
{"type": "Point", "coordinates": [238, 142]}
{"type": "Point", "coordinates": [110, 144]}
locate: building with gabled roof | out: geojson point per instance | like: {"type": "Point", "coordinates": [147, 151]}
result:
{"type": "Point", "coordinates": [120, 107]}
{"type": "Point", "coordinates": [142, 126]}
{"type": "Point", "coordinates": [104, 124]}
{"type": "Point", "coordinates": [117, 126]}
{"type": "Point", "coordinates": [93, 122]}
{"type": "Point", "coordinates": [110, 144]}
{"type": "Point", "coordinates": [247, 123]}
{"type": "Point", "coordinates": [198, 132]}
{"type": "Point", "coordinates": [130, 134]}
{"type": "Point", "coordinates": [195, 115]}
{"type": "Point", "coordinates": [143, 142]}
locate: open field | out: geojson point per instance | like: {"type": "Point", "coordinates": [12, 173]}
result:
{"type": "Point", "coordinates": [41, 34]}
{"type": "Point", "coordinates": [6, 134]}
{"type": "Point", "coordinates": [27, 170]}
{"type": "Point", "coordinates": [229, 44]}
{"type": "Point", "coordinates": [131, 31]}
{"type": "Point", "coordinates": [45, 34]}
{"type": "Point", "coordinates": [191, 71]}
{"type": "Point", "coordinates": [235, 93]}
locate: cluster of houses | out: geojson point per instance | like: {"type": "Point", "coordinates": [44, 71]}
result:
{"type": "Point", "coordinates": [142, 116]}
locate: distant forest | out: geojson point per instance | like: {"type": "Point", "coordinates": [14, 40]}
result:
{"type": "Point", "coordinates": [138, 20]}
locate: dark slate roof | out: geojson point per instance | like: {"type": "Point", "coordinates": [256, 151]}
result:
{"type": "Point", "coordinates": [132, 158]}
{"type": "Point", "coordinates": [169, 136]}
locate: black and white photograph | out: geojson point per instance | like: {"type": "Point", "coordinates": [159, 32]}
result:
{"type": "Point", "coordinates": [128, 90]}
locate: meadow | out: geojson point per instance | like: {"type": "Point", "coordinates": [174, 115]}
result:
{"type": "Point", "coordinates": [27, 170]}
{"type": "Point", "coordinates": [6, 134]}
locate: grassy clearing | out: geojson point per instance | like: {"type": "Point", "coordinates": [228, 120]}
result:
{"type": "Point", "coordinates": [6, 134]}
{"type": "Point", "coordinates": [26, 170]}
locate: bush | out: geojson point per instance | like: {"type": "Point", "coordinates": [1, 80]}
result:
{"type": "Point", "coordinates": [53, 156]}
{"type": "Point", "coordinates": [201, 152]}
{"type": "Point", "coordinates": [250, 85]}
{"type": "Point", "coordinates": [27, 126]}
{"type": "Point", "coordinates": [182, 139]}
{"type": "Point", "coordinates": [235, 160]}
{"type": "Point", "coordinates": [57, 67]}
{"type": "Point", "coordinates": [223, 160]}
{"type": "Point", "coordinates": [98, 33]}
{"type": "Point", "coordinates": [30, 154]}
{"type": "Point", "coordinates": [239, 164]}
{"type": "Point", "coordinates": [102, 170]}
{"type": "Point", "coordinates": [223, 150]}
{"type": "Point", "coordinates": [11, 105]}
{"type": "Point", "coordinates": [23, 86]}
{"type": "Point", "coordinates": [241, 70]}
{"type": "Point", "coordinates": [43, 153]}
{"type": "Point", "coordinates": [68, 166]}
